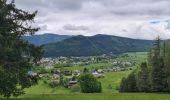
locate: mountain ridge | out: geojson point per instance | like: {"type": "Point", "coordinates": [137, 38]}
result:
{"type": "Point", "coordinates": [95, 45]}
{"type": "Point", "coordinates": [45, 38]}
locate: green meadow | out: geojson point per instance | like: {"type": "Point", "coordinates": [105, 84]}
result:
{"type": "Point", "coordinates": [102, 96]}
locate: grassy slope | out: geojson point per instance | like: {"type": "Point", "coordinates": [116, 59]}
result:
{"type": "Point", "coordinates": [115, 96]}
{"type": "Point", "coordinates": [112, 78]}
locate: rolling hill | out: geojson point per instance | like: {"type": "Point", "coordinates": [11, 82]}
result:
{"type": "Point", "coordinates": [45, 38]}
{"type": "Point", "coordinates": [95, 45]}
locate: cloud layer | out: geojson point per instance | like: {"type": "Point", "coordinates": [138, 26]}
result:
{"type": "Point", "coordinates": [144, 19]}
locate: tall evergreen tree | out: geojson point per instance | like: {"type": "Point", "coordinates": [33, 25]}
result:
{"type": "Point", "coordinates": [166, 69]}
{"type": "Point", "coordinates": [16, 55]}
{"type": "Point", "coordinates": [143, 78]}
{"type": "Point", "coordinates": [155, 77]}
{"type": "Point", "coordinates": [123, 85]}
{"type": "Point", "coordinates": [129, 84]}
{"type": "Point", "coordinates": [131, 81]}
{"type": "Point", "coordinates": [157, 67]}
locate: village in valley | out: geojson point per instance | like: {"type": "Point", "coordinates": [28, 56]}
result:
{"type": "Point", "coordinates": [66, 70]}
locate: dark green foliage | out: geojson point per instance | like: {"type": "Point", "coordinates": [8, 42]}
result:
{"type": "Point", "coordinates": [61, 79]}
{"type": "Point", "coordinates": [95, 45]}
{"type": "Point", "coordinates": [89, 84]}
{"type": "Point", "coordinates": [143, 78]}
{"type": "Point", "coordinates": [129, 84]}
{"type": "Point", "coordinates": [123, 85]}
{"type": "Point", "coordinates": [156, 76]}
{"type": "Point", "coordinates": [17, 57]}
{"type": "Point", "coordinates": [74, 78]}
{"type": "Point", "coordinates": [66, 82]}
{"type": "Point", "coordinates": [166, 68]}
{"type": "Point", "coordinates": [85, 70]}
{"type": "Point", "coordinates": [157, 64]}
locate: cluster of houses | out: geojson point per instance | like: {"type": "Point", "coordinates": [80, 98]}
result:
{"type": "Point", "coordinates": [48, 63]}
{"type": "Point", "coordinates": [98, 73]}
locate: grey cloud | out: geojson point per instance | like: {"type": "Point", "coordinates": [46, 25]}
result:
{"type": "Point", "coordinates": [75, 28]}
{"type": "Point", "coordinates": [60, 4]}
{"type": "Point", "coordinates": [97, 16]}
{"type": "Point", "coordinates": [117, 7]}
{"type": "Point", "coordinates": [145, 8]}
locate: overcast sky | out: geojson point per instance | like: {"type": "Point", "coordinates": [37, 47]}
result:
{"type": "Point", "coordinates": [144, 19]}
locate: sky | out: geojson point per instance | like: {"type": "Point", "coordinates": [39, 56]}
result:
{"type": "Point", "coordinates": [141, 19]}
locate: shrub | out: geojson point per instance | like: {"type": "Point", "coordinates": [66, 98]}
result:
{"type": "Point", "coordinates": [89, 84]}
{"type": "Point", "coordinates": [65, 82]}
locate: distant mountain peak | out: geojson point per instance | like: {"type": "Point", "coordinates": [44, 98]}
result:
{"type": "Point", "coordinates": [95, 45]}
{"type": "Point", "coordinates": [46, 38]}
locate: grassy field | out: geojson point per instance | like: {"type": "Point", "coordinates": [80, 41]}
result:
{"type": "Point", "coordinates": [113, 79]}
{"type": "Point", "coordinates": [102, 96]}
{"type": "Point", "coordinates": [134, 56]}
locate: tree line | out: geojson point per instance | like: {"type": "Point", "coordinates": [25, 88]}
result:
{"type": "Point", "coordinates": [152, 75]}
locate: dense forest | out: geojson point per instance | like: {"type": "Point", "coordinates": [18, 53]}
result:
{"type": "Point", "coordinates": [153, 75]}
{"type": "Point", "coordinates": [95, 45]}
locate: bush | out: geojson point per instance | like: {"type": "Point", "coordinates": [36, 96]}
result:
{"type": "Point", "coordinates": [89, 84]}
{"type": "Point", "coordinates": [45, 82]}
{"type": "Point", "coordinates": [65, 83]}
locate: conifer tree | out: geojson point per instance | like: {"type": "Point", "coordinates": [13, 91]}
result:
{"type": "Point", "coordinates": [143, 78]}
{"type": "Point", "coordinates": [157, 67]}
{"type": "Point", "coordinates": [129, 84]}
{"type": "Point", "coordinates": [16, 55]}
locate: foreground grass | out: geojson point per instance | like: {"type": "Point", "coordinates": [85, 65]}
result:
{"type": "Point", "coordinates": [115, 96]}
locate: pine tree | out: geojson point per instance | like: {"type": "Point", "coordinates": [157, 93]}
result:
{"type": "Point", "coordinates": [16, 55]}
{"type": "Point", "coordinates": [129, 84]}
{"type": "Point", "coordinates": [166, 69]}
{"type": "Point", "coordinates": [143, 78]}
{"type": "Point", "coordinates": [157, 67]}
{"type": "Point", "coordinates": [123, 85]}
